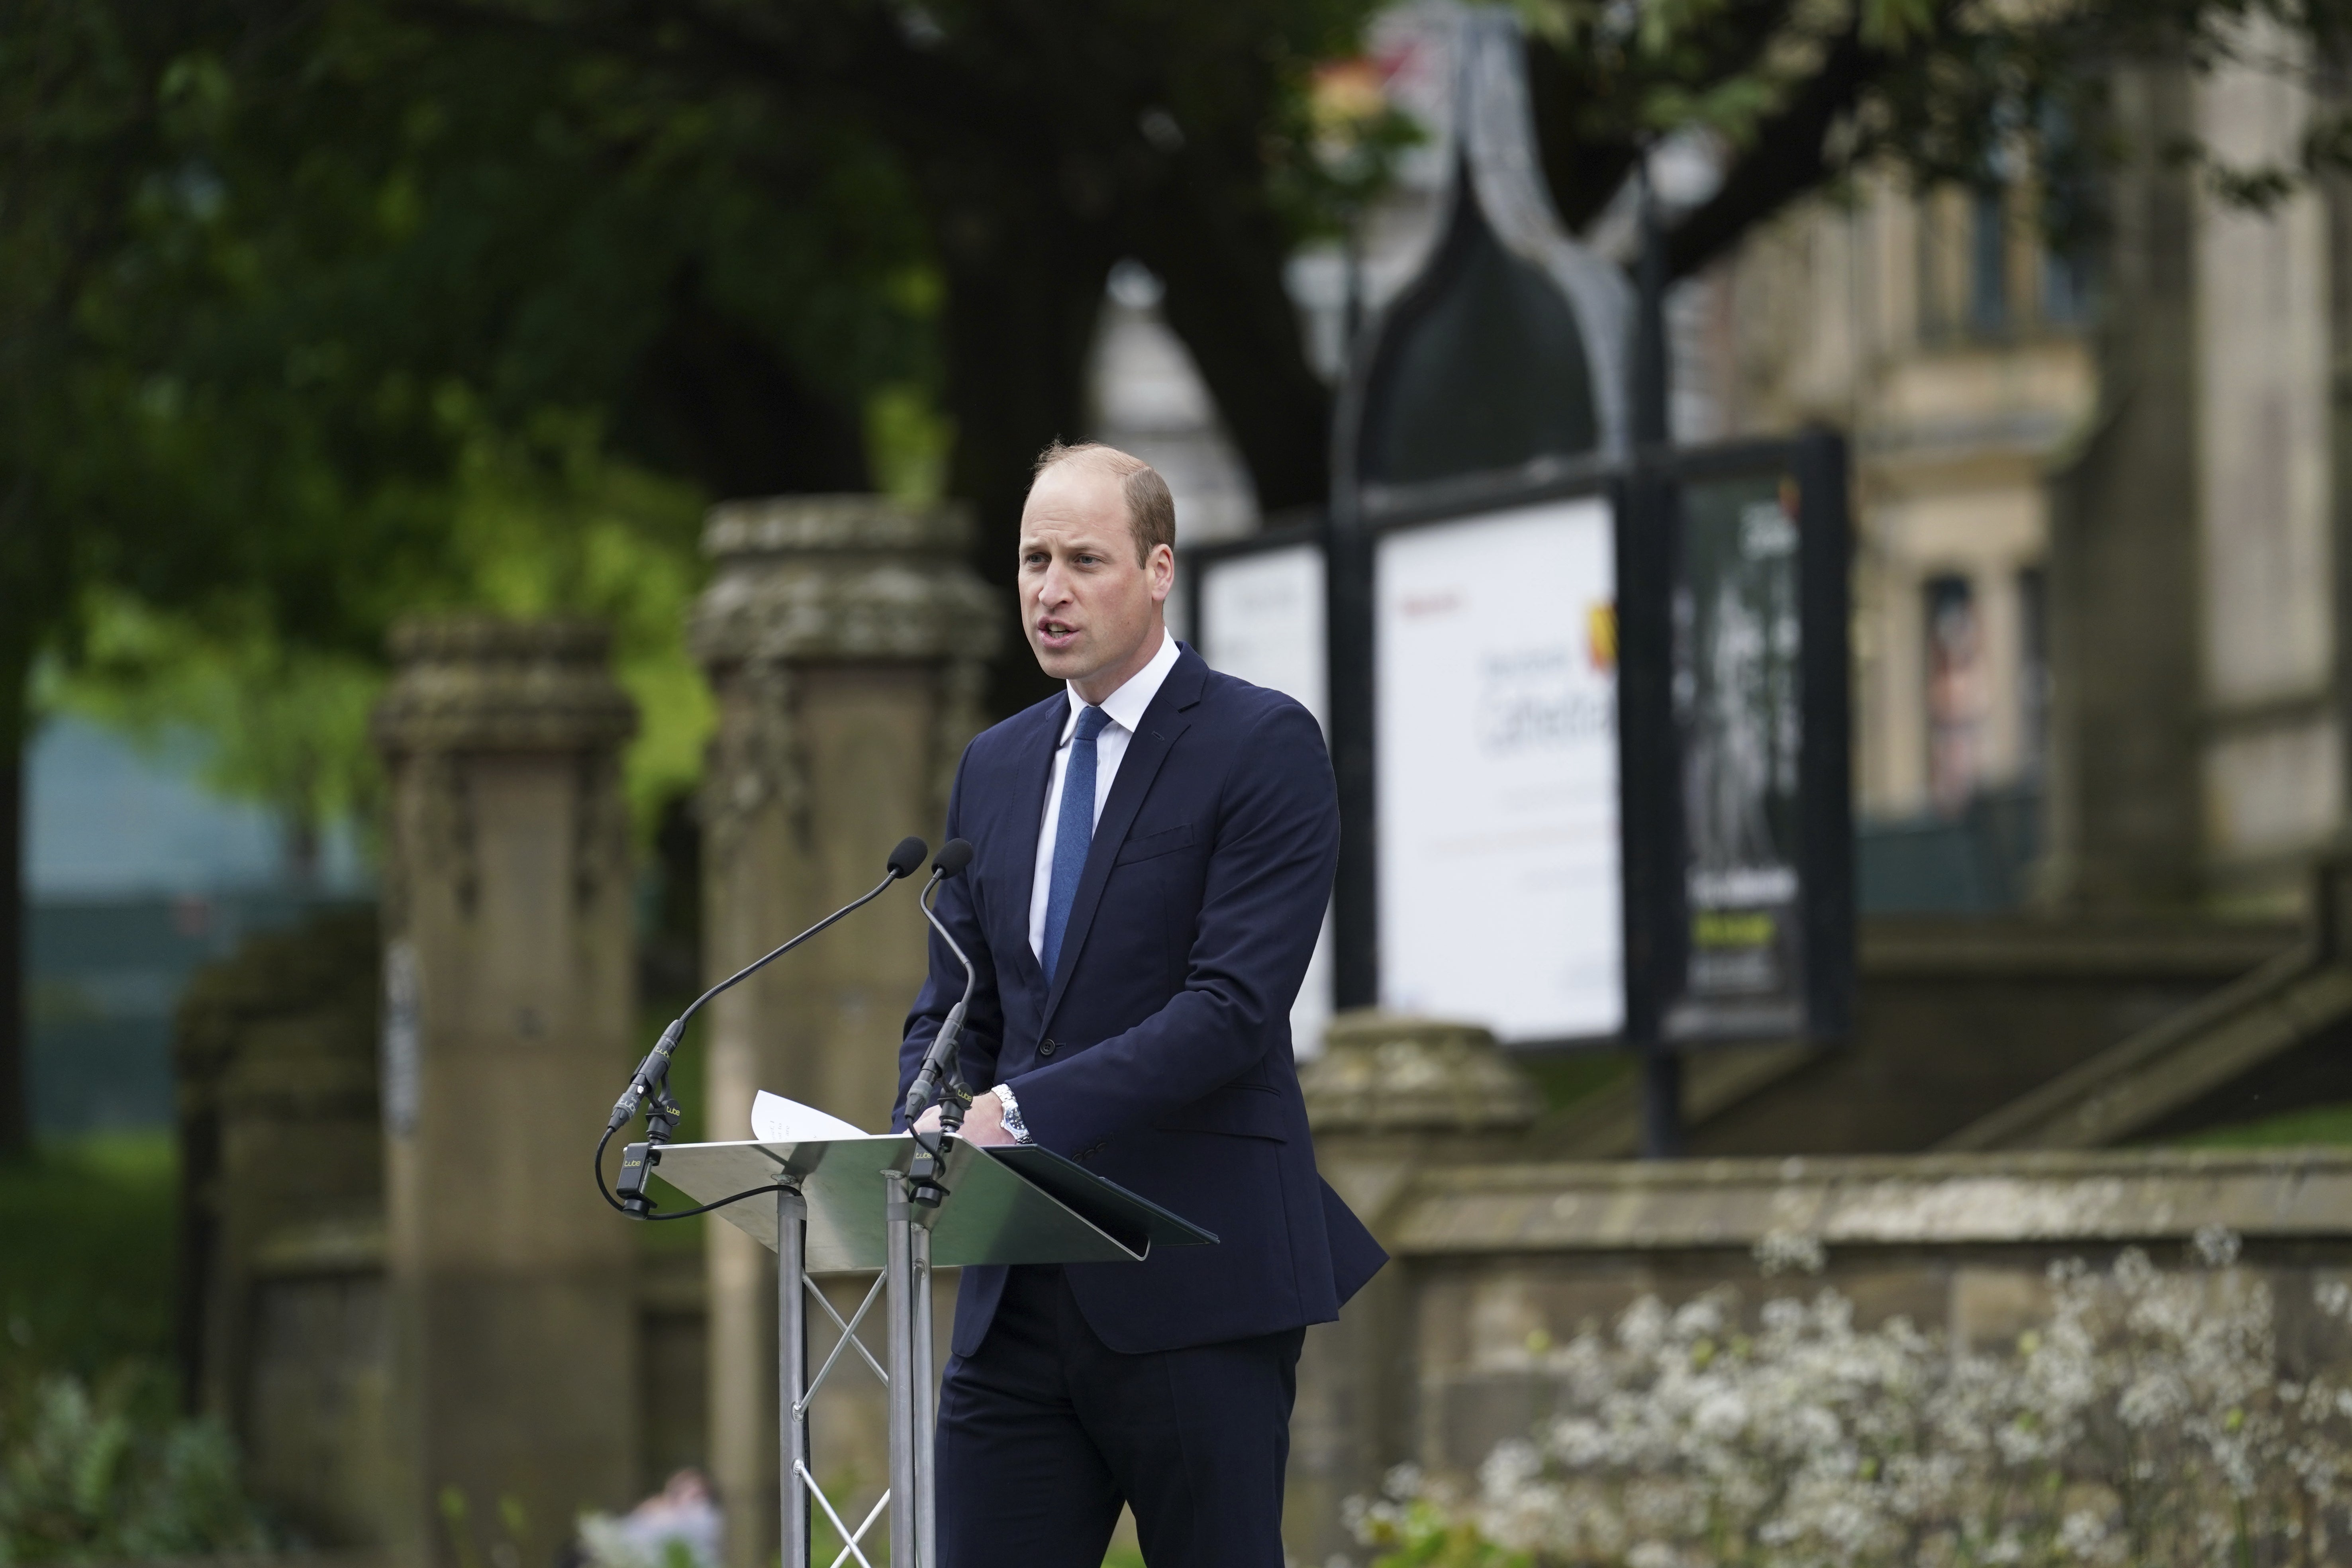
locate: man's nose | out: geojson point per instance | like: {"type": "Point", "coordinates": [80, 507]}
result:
{"type": "Point", "coordinates": [1053, 587]}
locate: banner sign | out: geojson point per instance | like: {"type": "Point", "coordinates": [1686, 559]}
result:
{"type": "Point", "coordinates": [1747, 902]}
{"type": "Point", "coordinates": [1496, 746]}
{"type": "Point", "coordinates": [1569, 852]}
{"type": "Point", "coordinates": [1739, 725]}
{"type": "Point", "coordinates": [1257, 608]}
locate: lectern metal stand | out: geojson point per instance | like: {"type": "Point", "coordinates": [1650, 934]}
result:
{"type": "Point", "coordinates": [845, 1210]}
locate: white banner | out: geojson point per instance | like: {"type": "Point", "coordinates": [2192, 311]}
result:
{"type": "Point", "coordinates": [1259, 615]}
{"type": "Point", "coordinates": [1500, 901]}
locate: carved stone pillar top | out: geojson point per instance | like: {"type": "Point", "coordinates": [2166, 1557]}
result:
{"type": "Point", "coordinates": [842, 577]}
{"type": "Point", "coordinates": [476, 683]}
{"type": "Point", "coordinates": [1384, 1072]}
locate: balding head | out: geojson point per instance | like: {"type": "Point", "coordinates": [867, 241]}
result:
{"type": "Point", "coordinates": [1151, 509]}
{"type": "Point", "coordinates": [1096, 564]}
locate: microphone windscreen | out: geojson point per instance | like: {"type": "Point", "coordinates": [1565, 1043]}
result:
{"type": "Point", "coordinates": [907, 859]}
{"type": "Point", "coordinates": [954, 856]}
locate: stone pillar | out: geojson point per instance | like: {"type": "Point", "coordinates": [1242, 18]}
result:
{"type": "Point", "coordinates": [2126, 819]}
{"type": "Point", "coordinates": [2271, 763]}
{"type": "Point", "coordinates": [508, 1024]}
{"type": "Point", "coordinates": [1390, 1099]}
{"type": "Point", "coordinates": [281, 1158]}
{"type": "Point", "coordinates": [847, 641]}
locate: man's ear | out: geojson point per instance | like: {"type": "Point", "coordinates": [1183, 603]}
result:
{"type": "Point", "coordinates": [1162, 564]}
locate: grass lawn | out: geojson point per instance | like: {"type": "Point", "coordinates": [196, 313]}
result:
{"type": "Point", "coordinates": [1567, 1077]}
{"type": "Point", "coordinates": [2313, 1124]}
{"type": "Point", "coordinates": [87, 1239]}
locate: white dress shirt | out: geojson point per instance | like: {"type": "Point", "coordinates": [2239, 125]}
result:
{"type": "Point", "coordinates": [1125, 708]}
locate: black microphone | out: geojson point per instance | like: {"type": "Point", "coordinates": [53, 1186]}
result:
{"type": "Point", "coordinates": [907, 859]}
{"type": "Point", "coordinates": [954, 856]}
{"type": "Point", "coordinates": [654, 1069]}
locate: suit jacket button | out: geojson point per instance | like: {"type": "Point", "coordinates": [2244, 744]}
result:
{"type": "Point", "coordinates": [1048, 1048]}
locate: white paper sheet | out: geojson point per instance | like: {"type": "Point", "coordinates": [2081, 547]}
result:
{"type": "Point", "coordinates": [775, 1119]}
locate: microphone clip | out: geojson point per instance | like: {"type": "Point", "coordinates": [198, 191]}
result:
{"type": "Point", "coordinates": [637, 1163]}
{"type": "Point", "coordinates": [925, 1189]}
{"type": "Point", "coordinates": [638, 1160]}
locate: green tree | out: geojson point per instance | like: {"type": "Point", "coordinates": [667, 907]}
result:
{"type": "Point", "coordinates": [1031, 144]}
{"type": "Point", "coordinates": [268, 273]}
{"type": "Point", "coordinates": [310, 317]}
{"type": "Point", "coordinates": [84, 125]}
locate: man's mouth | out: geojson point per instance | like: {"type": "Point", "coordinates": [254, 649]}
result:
{"type": "Point", "coordinates": [1056, 634]}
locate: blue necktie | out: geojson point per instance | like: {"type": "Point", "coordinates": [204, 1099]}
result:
{"type": "Point", "coordinates": [1074, 834]}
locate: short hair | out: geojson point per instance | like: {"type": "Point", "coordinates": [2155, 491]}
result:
{"type": "Point", "coordinates": [1151, 509]}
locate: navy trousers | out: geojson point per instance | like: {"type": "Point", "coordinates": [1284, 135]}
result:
{"type": "Point", "coordinates": [1045, 1430]}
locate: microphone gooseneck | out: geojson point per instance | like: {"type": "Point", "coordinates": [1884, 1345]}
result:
{"type": "Point", "coordinates": [939, 1062]}
{"type": "Point", "coordinates": [652, 1076]}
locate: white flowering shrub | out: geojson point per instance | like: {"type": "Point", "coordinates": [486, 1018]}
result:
{"type": "Point", "coordinates": [2146, 1423]}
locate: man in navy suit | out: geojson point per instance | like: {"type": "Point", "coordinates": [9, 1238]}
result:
{"type": "Point", "coordinates": [1152, 853]}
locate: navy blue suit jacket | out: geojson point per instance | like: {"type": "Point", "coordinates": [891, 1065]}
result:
{"type": "Point", "coordinates": [1160, 1054]}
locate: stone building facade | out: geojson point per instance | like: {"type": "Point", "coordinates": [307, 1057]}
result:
{"type": "Point", "coordinates": [2097, 504]}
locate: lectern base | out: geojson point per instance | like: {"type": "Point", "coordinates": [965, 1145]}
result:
{"type": "Point", "coordinates": [909, 1378]}
{"type": "Point", "coordinates": [842, 1208]}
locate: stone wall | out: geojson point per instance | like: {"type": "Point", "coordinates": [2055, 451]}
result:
{"type": "Point", "coordinates": [281, 1302]}
{"type": "Point", "coordinates": [1496, 1263]}
{"type": "Point", "coordinates": [1424, 1127]}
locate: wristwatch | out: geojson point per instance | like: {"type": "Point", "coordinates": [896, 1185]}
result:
{"type": "Point", "coordinates": [1011, 1115]}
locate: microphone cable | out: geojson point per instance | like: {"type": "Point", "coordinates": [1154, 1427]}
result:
{"type": "Point", "coordinates": [905, 860]}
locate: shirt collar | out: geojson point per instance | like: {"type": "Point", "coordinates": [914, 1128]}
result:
{"type": "Point", "coordinates": [1126, 705]}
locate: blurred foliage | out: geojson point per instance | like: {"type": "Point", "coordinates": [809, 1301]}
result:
{"type": "Point", "coordinates": [550, 524]}
{"type": "Point", "coordinates": [316, 317]}
{"type": "Point", "coordinates": [1340, 141]}
{"type": "Point", "coordinates": [543, 524]}
{"type": "Point", "coordinates": [276, 284]}
{"type": "Point", "coordinates": [96, 1462]}
{"type": "Point", "coordinates": [110, 1473]}
{"type": "Point", "coordinates": [283, 727]}
{"type": "Point", "coordinates": [1801, 95]}
{"type": "Point", "coordinates": [312, 316]}
{"type": "Point", "coordinates": [86, 1250]}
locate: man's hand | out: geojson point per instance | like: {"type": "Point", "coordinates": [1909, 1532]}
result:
{"type": "Point", "coordinates": [983, 1124]}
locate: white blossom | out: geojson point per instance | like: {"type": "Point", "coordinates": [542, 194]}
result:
{"type": "Point", "coordinates": [2145, 1421]}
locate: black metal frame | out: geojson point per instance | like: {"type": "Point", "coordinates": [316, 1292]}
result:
{"type": "Point", "coordinates": [1350, 630]}
{"type": "Point", "coordinates": [1645, 499]}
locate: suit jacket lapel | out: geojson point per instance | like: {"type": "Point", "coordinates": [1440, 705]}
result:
{"type": "Point", "coordinates": [1163, 722]}
{"type": "Point", "coordinates": [1035, 776]}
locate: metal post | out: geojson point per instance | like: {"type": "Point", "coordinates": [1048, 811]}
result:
{"type": "Point", "coordinates": [792, 1375]}
{"type": "Point", "coordinates": [1652, 390]}
{"type": "Point", "coordinates": [1349, 633]}
{"type": "Point", "coordinates": [1662, 1102]}
{"type": "Point", "coordinates": [898, 1269]}
{"type": "Point", "coordinates": [923, 1391]}
{"type": "Point", "coordinates": [1662, 1069]}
